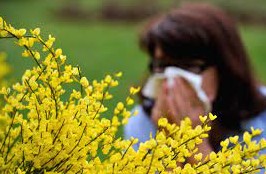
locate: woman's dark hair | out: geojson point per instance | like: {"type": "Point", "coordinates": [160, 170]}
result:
{"type": "Point", "coordinates": [206, 32]}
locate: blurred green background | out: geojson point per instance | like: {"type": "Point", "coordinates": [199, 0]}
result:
{"type": "Point", "coordinates": [101, 36]}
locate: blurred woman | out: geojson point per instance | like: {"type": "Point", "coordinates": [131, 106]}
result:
{"type": "Point", "coordinates": [203, 40]}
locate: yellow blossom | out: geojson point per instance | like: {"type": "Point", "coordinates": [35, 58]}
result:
{"type": "Point", "coordinates": [203, 118]}
{"type": "Point", "coordinates": [1, 23]}
{"type": "Point", "coordinates": [212, 117]}
{"type": "Point", "coordinates": [37, 55]}
{"type": "Point", "coordinates": [255, 132]}
{"type": "Point", "coordinates": [84, 82]}
{"type": "Point", "coordinates": [162, 122]}
{"type": "Point", "coordinates": [134, 90]}
{"type": "Point", "coordinates": [3, 33]}
{"type": "Point", "coordinates": [247, 137]}
{"type": "Point", "coordinates": [225, 143]}
{"type": "Point", "coordinates": [119, 74]}
{"type": "Point", "coordinates": [36, 31]}
{"type": "Point", "coordinates": [129, 101]}
{"type": "Point", "coordinates": [198, 156]}
{"type": "Point", "coordinates": [20, 32]}
{"type": "Point", "coordinates": [58, 52]}
{"type": "Point", "coordinates": [120, 106]}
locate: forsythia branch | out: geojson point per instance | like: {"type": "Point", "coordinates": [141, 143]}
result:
{"type": "Point", "coordinates": [41, 133]}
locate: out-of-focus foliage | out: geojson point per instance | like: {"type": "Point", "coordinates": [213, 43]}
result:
{"type": "Point", "coordinates": [136, 10]}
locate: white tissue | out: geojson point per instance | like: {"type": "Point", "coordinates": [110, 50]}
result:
{"type": "Point", "coordinates": [154, 82]}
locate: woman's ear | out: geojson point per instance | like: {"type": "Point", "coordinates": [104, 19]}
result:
{"type": "Point", "coordinates": [210, 83]}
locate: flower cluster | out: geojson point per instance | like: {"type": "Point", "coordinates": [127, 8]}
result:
{"type": "Point", "coordinates": [49, 129]}
{"type": "Point", "coordinates": [43, 131]}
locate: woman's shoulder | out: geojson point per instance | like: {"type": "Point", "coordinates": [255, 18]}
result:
{"type": "Point", "coordinates": [141, 116]}
{"type": "Point", "coordinates": [259, 121]}
{"type": "Point", "coordinates": [139, 126]}
{"type": "Point", "coordinates": [262, 89]}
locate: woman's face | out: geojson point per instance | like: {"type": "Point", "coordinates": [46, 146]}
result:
{"type": "Point", "coordinates": [209, 73]}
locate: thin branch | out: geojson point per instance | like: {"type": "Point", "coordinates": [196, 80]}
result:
{"type": "Point", "coordinates": [58, 132]}
{"type": "Point", "coordinates": [9, 129]}
{"type": "Point", "coordinates": [152, 157]}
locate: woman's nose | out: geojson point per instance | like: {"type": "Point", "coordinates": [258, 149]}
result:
{"type": "Point", "coordinates": [158, 55]}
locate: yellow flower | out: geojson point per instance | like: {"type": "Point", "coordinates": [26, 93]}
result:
{"type": "Point", "coordinates": [213, 156]}
{"type": "Point", "coordinates": [234, 139]}
{"type": "Point", "coordinates": [162, 122]}
{"type": "Point", "coordinates": [119, 74]}
{"type": "Point", "coordinates": [120, 106]}
{"type": "Point", "coordinates": [114, 83]}
{"type": "Point", "coordinates": [198, 156]}
{"type": "Point", "coordinates": [3, 33]}
{"type": "Point", "coordinates": [84, 82]}
{"type": "Point", "coordinates": [212, 117]}
{"type": "Point", "coordinates": [108, 79]}
{"type": "Point", "coordinates": [21, 32]}
{"type": "Point", "coordinates": [30, 42]}
{"type": "Point", "coordinates": [255, 132]}
{"type": "Point", "coordinates": [129, 101]}
{"type": "Point", "coordinates": [36, 31]}
{"type": "Point", "coordinates": [236, 169]}
{"type": "Point", "coordinates": [134, 90]}
{"type": "Point", "coordinates": [203, 118]}
{"type": "Point", "coordinates": [1, 23]}
{"type": "Point", "coordinates": [75, 71]}
{"type": "Point", "coordinates": [58, 52]}
{"type": "Point", "coordinates": [225, 143]}
{"type": "Point", "coordinates": [247, 137]}
{"type": "Point", "coordinates": [37, 55]}
{"type": "Point", "coordinates": [22, 41]}
{"type": "Point", "coordinates": [20, 172]}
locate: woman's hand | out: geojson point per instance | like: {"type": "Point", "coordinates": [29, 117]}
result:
{"type": "Point", "coordinates": [177, 102]}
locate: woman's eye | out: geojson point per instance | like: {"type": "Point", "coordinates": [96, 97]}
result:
{"type": "Point", "coordinates": [194, 69]}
